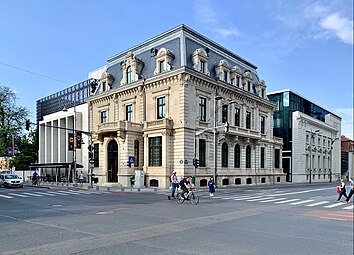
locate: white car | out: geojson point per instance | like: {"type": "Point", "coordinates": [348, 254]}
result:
{"type": "Point", "coordinates": [10, 180]}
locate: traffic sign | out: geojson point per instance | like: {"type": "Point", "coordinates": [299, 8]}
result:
{"type": "Point", "coordinates": [131, 159]}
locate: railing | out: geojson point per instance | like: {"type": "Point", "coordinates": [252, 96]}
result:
{"type": "Point", "coordinates": [119, 126]}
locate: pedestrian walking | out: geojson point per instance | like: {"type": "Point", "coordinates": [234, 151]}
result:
{"type": "Point", "coordinates": [211, 185]}
{"type": "Point", "coordinates": [81, 178]}
{"type": "Point", "coordinates": [351, 189]}
{"type": "Point", "coordinates": [174, 184]}
{"type": "Point", "coordinates": [343, 191]}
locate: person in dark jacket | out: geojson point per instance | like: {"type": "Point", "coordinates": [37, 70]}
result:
{"type": "Point", "coordinates": [343, 191]}
{"type": "Point", "coordinates": [211, 185]}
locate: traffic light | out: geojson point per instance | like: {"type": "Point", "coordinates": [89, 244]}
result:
{"type": "Point", "coordinates": [226, 127]}
{"type": "Point", "coordinates": [71, 142]}
{"type": "Point", "coordinates": [90, 151]}
{"type": "Point", "coordinates": [195, 162]}
{"type": "Point", "coordinates": [28, 123]}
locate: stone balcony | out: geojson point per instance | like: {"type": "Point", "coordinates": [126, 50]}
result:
{"type": "Point", "coordinates": [119, 126]}
{"type": "Point", "coordinates": [158, 124]}
{"type": "Point", "coordinates": [243, 132]}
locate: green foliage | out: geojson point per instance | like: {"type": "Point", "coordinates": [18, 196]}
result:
{"type": "Point", "coordinates": [12, 125]}
{"type": "Point", "coordinates": [21, 162]}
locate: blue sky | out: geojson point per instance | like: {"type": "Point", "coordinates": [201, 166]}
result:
{"type": "Point", "coordinates": [304, 45]}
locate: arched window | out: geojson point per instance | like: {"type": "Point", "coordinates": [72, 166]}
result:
{"type": "Point", "coordinates": [238, 181]}
{"type": "Point", "coordinates": [225, 182]}
{"type": "Point", "coordinates": [154, 183]}
{"type": "Point", "coordinates": [248, 156]}
{"type": "Point", "coordinates": [136, 152]}
{"type": "Point", "coordinates": [237, 159]}
{"type": "Point", "coordinates": [203, 183]}
{"type": "Point", "coordinates": [263, 180]}
{"type": "Point", "coordinates": [224, 155]}
{"type": "Point", "coordinates": [129, 74]}
{"type": "Point", "coordinates": [249, 181]}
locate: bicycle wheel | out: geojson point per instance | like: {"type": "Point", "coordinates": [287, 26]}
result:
{"type": "Point", "coordinates": [194, 198]}
{"type": "Point", "coordinates": [179, 199]}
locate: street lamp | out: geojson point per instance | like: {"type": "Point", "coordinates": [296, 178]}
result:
{"type": "Point", "coordinates": [312, 136]}
{"type": "Point", "coordinates": [330, 166]}
{"type": "Point", "coordinates": [216, 98]}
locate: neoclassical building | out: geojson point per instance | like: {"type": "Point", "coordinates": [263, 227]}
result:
{"type": "Point", "coordinates": [177, 97]}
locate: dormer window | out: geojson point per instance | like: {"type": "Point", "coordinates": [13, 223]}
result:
{"type": "Point", "coordinates": [223, 71]}
{"type": "Point", "coordinates": [236, 76]}
{"type": "Point", "coordinates": [106, 82]}
{"type": "Point", "coordinates": [132, 68]}
{"type": "Point", "coordinates": [247, 81]}
{"type": "Point", "coordinates": [161, 66]}
{"type": "Point", "coordinates": [200, 61]}
{"type": "Point", "coordinates": [164, 59]}
{"type": "Point", "coordinates": [129, 74]}
{"type": "Point", "coordinates": [261, 89]}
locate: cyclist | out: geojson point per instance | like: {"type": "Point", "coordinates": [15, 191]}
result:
{"type": "Point", "coordinates": [185, 184]}
{"type": "Point", "coordinates": [35, 178]}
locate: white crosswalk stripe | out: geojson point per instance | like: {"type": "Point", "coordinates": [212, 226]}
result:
{"type": "Point", "coordinates": [17, 195]}
{"type": "Point", "coordinates": [287, 201]}
{"type": "Point", "coordinates": [272, 200]}
{"type": "Point", "coordinates": [318, 203]}
{"type": "Point", "coordinates": [32, 194]}
{"type": "Point", "coordinates": [253, 199]}
{"type": "Point", "coordinates": [4, 196]}
{"type": "Point", "coordinates": [57, 193]}
{"type": "Point", "coordinates": [349, 207]}
{"type": "Point", "coordinates": [302, 202]}
{"type": "Point", "coordinates": [333, 205]}
{"type": "Point", "coordinates": [45, 194]}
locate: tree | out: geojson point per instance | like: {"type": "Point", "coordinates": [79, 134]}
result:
{"type": "Point", "coordinates": [12, 119]}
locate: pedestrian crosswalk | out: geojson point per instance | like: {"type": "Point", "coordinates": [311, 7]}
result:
{"type": "Point", "coordinates": [46, 193]}
{"type": "Point", "coordinates": [261, 198]}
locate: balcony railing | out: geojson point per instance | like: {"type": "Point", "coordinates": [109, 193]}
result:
{"type": "Point", "coordinates": [119, 126]}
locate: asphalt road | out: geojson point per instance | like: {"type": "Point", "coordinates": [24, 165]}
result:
{"type": "Point", "coordinates": [274, 220]}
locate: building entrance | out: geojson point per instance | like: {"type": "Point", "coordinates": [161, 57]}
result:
{"type": "Point", "coordinates": [112, 170]}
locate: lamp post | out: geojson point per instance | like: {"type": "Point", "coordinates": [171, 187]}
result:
{"type": "Point", "coordinates": [216, 98]}
{"type": "Point", "coordinates": [330, 166]}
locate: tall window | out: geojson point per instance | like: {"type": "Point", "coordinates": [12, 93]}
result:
{"type": "Point", "coordinates": [262, 124]}
{"type": "Point", "coordinates": [129, 74]}
{"type": "Point", "coordinates": [161, 107]}
{"type": "Point", "coordinates": [104, 87]}
{"type": "Point", "coordinates": [155, 151]}
{"type": "Point", "coordinates": [262, 157]}
{"type": "Point", "coordinates": [237, 159]}
{"type": "Point", "coordinates": [96, 153]}
{"type": "Point", "coordinates": [224, 155]}
{"type": "Point", "coordinates": [249, 86]}
{"type": "Point", "coordinates": [202, 66]}
{"type": "Point", "coordinates": [136, 152]}
{"type": "Point", "coordinates": [129, 112]}
{"type": "Point", "coordinates": [202, 153]}
{"type": "Point", "coordinates": [162, 66]}
{"type": "Point", "coordinates": [277, 158]}
{"type": "Point", "coordinates": [248, 156]}
{"type": "Point", "coordinates": [202, 109]}
{"type": "Point", "coordinates": [224, 113]}
{"type": "Point", "coordinates": [238, 81]}
{"type": "Point", "coordinates": [103, 116]}
{"type": "Point", "coordinates": [237, 117]}
{"type": "Point", "coordinates": [225, 76]}
{"type": "Point", "coordinates": [248, 120]}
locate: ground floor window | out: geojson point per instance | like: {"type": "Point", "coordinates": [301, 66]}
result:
{"type": "Point", "coordinates": [155, 151]}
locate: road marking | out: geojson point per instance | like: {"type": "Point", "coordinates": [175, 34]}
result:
{"type": "Point", "coordinates": [318, 203]}
{"type": "Point", "coordinates": [57, 193]}
{"type": "Point", "coordinates": [333, 205]}
{"type": "Point", "coordinates": [4, 196]}
{"type": "Point", "coordinates": [272, 200]}
{"type": "Point", "coordinates": [287, 201]}
{"type": "Point", "coordinates": [32, 194]}
{"type": "Point", "coordinates": [348, 207]}
{"type": "Point", "coordinates": [258, 198]}
{"type": "Point", "coordinates": [302, 202]}
{"type": "Point", "coordinates": [17, 195]}
{"type": "Point", "coordinates": [67, 192]}
{"type": "Point", "coordinates": [300, 192]}
{"type": "Point", "coordinates": [46, 194]}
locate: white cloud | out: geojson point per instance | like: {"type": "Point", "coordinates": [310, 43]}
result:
{"type": "Point", "coordinates": [225, 32]}
{"type": "Point", "coordinates": [341, 26]}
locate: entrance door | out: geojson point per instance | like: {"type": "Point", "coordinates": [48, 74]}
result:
{"type": "Point", "coordinates": [112, 161]}
{"type": "Point", "coordinates": [287, 169]}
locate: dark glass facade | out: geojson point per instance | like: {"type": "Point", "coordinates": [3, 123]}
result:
{"type": "Point", "coordinates": [286, 103]}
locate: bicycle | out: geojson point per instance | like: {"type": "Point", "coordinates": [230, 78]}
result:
{"type": "Point", "coordinates": [191, 196]}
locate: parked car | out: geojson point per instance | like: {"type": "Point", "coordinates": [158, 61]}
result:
{"type": "Point", "coordinates": [10, 180]}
